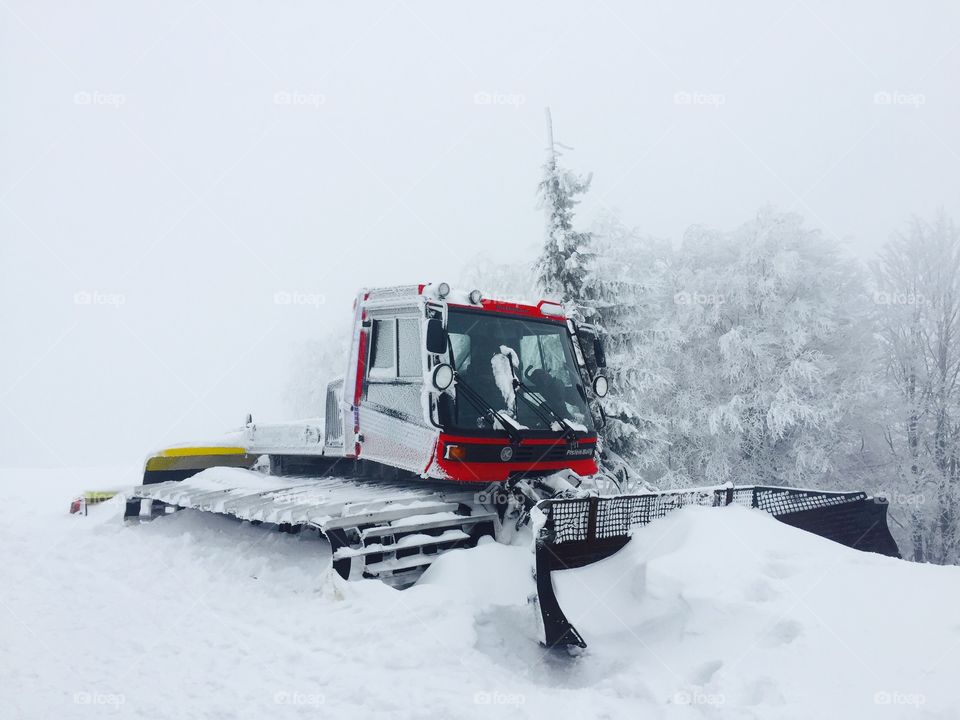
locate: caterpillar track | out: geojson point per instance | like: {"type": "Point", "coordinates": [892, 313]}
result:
{"type": "Point", "coordinates": [387, 530]}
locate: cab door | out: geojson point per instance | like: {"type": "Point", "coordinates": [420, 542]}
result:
{"type": "Point", "coordinates": [394, 431]}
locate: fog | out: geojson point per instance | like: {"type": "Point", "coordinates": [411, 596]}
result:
{"type": "Point", "coordinates": [188, 191]}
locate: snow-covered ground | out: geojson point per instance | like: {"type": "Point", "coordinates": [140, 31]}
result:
{"type": "Point", "coordinates": [710, 613]}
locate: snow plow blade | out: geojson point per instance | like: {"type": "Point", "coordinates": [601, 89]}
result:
{"type": "Point", "coordinates": [573, 533]}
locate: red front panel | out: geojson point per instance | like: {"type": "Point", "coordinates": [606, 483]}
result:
{"type": "Point", "coordinates": [539, 455]}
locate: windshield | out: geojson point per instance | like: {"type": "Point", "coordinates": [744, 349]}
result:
{"type": "Point", "coordinates": [483, 346]}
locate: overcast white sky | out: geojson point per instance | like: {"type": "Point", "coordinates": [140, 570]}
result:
{"type": "Point", "coordinates": [191, 160]}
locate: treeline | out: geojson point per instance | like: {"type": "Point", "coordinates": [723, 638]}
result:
{"type": "Point", "coordinates": [764, 355]}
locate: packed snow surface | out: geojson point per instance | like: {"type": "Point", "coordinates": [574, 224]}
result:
{"type": "Point", "coordinates": [709, 613]}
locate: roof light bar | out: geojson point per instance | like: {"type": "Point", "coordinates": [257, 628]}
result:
{"type": "Point", "coordinates": [549, 307]}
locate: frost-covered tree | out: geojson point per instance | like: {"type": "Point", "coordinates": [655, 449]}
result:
{"type": "Point", "coordinates": [770, 364]}
{"type": "Point", "coordinates": [740, 357]}
{"type": "Point", "coordinates": [566, 252]}
{"type": "Point", "coordinates": [624, 294]}
{"type": "Point", "coordinates": [918, 306]}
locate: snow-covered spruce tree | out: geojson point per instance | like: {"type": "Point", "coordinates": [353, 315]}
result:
{"type": "Point", "coordinates": [918, 306]}
{"type": "Point", "coordinates": [566, 252]}
{"type": "Point", "coordinates": [626, 292]}
{"type": "Point", "coordinates": [773, 323]}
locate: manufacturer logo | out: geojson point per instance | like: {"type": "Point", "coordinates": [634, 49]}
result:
{"type": "Point", "coordinates": [506, 454]}
{"type": "Point", "coordinates": [579, 451]}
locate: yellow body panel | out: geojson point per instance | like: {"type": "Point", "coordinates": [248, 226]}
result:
{"type": "Point", "coordinates": [198, 457]}
{"type": "Point", "coordinates": [186, 451]}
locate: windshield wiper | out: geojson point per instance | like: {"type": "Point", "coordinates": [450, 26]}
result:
{"type": "Point", "coordinates": [541, 405]}
{"type": "Point", "coordinates": [478, 401]}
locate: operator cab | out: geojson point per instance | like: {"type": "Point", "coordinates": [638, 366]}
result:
{"type": "Point", "coordinates": [458, 387]}
{"type": "Point", "coordinates": [522, 368]}
{"type": "Point", "coordinates": [511, 391]}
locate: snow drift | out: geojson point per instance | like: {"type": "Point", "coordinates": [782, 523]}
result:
{"type": "Point", "coordinates": [709, 612]}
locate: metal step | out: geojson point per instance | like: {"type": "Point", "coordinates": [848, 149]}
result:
{"type": "Point", "coordinates": [427, 523]}
{"type": "Point", "coordinates": [389, 513]}
{"type": "Point", "coordinates": [405, 543]}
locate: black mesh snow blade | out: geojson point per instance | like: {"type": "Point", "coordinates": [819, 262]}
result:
{"type": "Point", "coordinates": [861, 524]}
{"type": "Point", "coordinates": [578, 532]}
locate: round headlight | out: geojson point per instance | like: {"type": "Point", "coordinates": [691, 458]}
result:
{"type": "Point", "coordinates": [600, 386]}
{"type": "Point", "coordinates": [442, 376]}
{"type": "Point", "coordinates": [475, 297]}
{"type": "Point", "coordinates": [443, 289]}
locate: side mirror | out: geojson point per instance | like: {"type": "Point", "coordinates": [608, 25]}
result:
{"type": "Point", "coordinates": [436, 337]}
{"type": "Point", "coordinates": [600, 386]}
{"type": "Point", "coordinates": [442, 377]}
{"type": "Point", "coordinates": [598, 352]}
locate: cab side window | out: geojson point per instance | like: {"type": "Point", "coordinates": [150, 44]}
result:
{"type": "Point", "coordinates": [394, 375]}
{"type": "Point", "coordinates": [383, 351]}
{"type": "Point", "coordinates": [408, 348]}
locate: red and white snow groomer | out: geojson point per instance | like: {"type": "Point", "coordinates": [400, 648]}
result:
{"type": "Point", "coordinates": [457, 416]}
